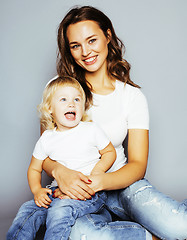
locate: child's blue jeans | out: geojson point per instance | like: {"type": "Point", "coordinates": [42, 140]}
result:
{"type": "Point", "coordinates": [59, 217]}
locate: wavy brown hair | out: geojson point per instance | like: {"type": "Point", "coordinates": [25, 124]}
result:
{"type": "Point", "coordinates": [117, 66]}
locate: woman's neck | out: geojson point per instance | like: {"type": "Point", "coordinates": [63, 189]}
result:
{"type": "Point", "coordinates": [101, 83]}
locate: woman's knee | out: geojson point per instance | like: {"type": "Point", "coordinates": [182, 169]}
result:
{"type": "Point", "coordinates": [175, 229]}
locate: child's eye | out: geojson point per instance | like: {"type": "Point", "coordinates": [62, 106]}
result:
{"type": "Point", "coordinates": [77, 99]}
{"type": "Point", "coordinates": [63, 99]}
{"type": "Point", "coordinates": [92, 40]}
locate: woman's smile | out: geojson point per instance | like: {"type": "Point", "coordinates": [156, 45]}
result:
{"type": "Point", "coordinates": [90, 61]}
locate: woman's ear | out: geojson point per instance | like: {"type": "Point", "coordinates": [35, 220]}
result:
{"type": "Point", "coordinates": [109, 35]}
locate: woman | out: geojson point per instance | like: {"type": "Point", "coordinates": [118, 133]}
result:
{"type": "Point", "coordinates": [90, 51]}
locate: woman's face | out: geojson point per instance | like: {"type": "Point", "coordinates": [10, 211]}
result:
{"type": "Point", "coordinates": [88, 45]}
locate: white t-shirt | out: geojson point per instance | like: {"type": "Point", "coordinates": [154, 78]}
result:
{"type": "Point", "coordinates": [125, 108]}
{"type": "Point", "coordinates": [77, 148]}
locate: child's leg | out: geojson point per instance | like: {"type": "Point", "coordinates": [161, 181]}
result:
{"type": "Point", "coordinates": [27, 222]}
{"type": "Point", "coordinates": [63, 213]}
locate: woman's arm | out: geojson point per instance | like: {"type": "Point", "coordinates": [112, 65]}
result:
{"type": "Point", "coordinates": [134, 170]}
{"type": "Point", "coordinates": [72, 183]}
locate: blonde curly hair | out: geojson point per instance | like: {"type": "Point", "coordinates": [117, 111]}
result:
{"type": "Point", "coordinates": [44, 107]}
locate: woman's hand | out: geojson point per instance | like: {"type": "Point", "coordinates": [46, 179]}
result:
{"type": "Point", "coordinates": [73, 183]}
{"type": "Point", "coordinates": [41, 198]}
{"type": "Point", "coordinates": [97, 181]}
{"type": "Point", "coordinates": [96, 185]}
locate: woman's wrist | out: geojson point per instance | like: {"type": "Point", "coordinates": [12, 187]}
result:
{"type": "Point", "coordinates": [57, 170]}
{"type": "Point", "coordinates": [103, 181]}
{"type": "Point", "coordinates": [97, 182]}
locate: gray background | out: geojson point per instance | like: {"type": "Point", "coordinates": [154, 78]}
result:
{"type": "Point", "coordinates": [154, 33]}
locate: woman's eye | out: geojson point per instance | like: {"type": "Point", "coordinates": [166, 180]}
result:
{"type": "Point", "coordinates": [92, 40]}
{"type": "Point", "coordinates": [77, 99]}
{"type": "Point", "coordinates": [63, 99]}
{"type": "Point", "coordinates": [74, 46]}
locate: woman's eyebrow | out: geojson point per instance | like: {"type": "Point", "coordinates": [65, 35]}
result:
{"type": "Point", "coordinates": [74, 42]}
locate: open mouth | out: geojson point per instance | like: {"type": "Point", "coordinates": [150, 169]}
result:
{"type": "Point", "coordinates": [70, 115]}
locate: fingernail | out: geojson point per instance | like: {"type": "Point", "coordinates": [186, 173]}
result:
{"type": "Point", "coordinates": [89, 180]}
{"type": "Point", "coordinates": [53, 196]}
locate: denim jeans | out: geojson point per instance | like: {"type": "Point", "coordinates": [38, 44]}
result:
{"type": "Point", "coordinates": [30, 217]}
{"type": "Point", "coordinates": [100, 226]}
{"type": "Point", "coordinates": [60, 217]}
{"type": "Point", "coordinates": [62, 214]}
{"type": "Point", "coordinates": [140, 202]}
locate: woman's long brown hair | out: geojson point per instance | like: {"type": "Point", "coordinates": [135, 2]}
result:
{"type": "Point", "coordinates": [117, 67]}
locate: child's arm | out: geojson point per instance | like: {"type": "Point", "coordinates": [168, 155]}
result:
{"type": "Point", "coordinates": [108, 157]}
{"type": "Point", "coordinates": [34, 178]}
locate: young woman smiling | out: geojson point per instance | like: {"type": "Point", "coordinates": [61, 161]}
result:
{"type": "Point", "coordinates": [90, 51]}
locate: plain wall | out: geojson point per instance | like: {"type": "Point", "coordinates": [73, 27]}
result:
{"type": "Point", "coordinates": [154, 33]}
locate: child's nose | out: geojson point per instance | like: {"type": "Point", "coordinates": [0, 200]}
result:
{"type": "Point", "coordinates": [71, 104]}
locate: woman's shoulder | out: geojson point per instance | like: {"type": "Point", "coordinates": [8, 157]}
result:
{"type": "Point", "coordinates": [127, 89]}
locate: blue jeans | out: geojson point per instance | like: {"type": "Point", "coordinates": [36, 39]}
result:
{"type": "Point", "coordinates": [140, 202]}
{"type": "Point", "coordinates": [60, 217]}
{"type": "Point", "coordinates": [62, 214]}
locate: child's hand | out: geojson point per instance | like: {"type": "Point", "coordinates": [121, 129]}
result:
{"type": "Point", "coordinates": [41, 198]}
{"type": "Point", "coordinates": [59, 194]}
{"type": "Point", "coordinates": [64, 196]}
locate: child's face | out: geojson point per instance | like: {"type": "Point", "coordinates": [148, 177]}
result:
{"type": "Point", "coordinates": [67, 107]}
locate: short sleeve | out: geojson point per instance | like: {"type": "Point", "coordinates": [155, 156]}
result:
{"type": "Point", "coordinates": [39, 151]}
{"type": "Point", "coordinates": [138, 115]}
{"type": "Point", "coordinates": [100, 137]}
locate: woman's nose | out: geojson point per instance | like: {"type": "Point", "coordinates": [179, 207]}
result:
{"type": "Point", "coordinates": [85, 50]}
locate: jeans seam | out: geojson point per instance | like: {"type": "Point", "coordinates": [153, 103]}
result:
{"type": "Point", "coordinates": [122, 226]}
{"type": "Point", "coordinates": [96, 201]}
{"type": "Point", "coordinates": [24, 223]}
{"type": "Point", "coordinates": [90, 205]}
{"type": "Point", "coordinates": [112, 209]}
